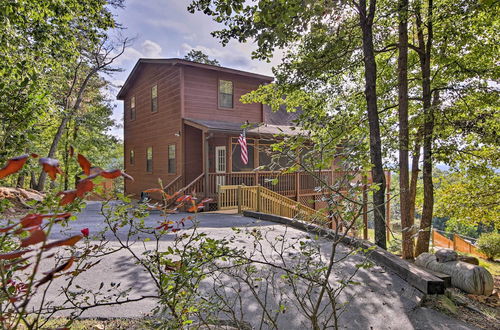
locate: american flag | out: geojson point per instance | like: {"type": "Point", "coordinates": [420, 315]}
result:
{"type": "Point", "coordinates": [244, 150]}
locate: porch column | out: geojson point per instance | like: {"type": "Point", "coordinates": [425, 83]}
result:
{"type": "Point", "coordinates": [229, 168]}
{"type": "Point", "coordinates": [205, 150]}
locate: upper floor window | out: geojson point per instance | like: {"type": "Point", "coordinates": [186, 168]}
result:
{"type": "Point", "coordinates": [154, 98]}
{"type": "Point", "coordinates": [171, 158]}
{"type": "Point", "coordinates": [149, 160]}
{"type": "Point", "coordinates": [132, 157]}
{"type": "Point", "coordinates": [132, 108]}
{"type": "Point", "coordinates": [226, 92]}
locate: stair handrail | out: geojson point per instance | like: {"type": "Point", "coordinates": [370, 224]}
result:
{"type": "Point", "coordinates": [201, 176]}
{"type": "Point", "coordinates": [171, 184]}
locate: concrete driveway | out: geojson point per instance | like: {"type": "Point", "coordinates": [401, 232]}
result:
{"type": "Point", "coordinates": [382, 300]}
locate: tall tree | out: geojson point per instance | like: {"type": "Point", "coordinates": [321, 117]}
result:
{"type": "Point", "coordinates": [38, 37]}
{"type": "Point", "coordinates": [406, 221]}
{"type": "Point", "coordinates": [366, 16]}
{"type": "Point", "coordinates": [200, 57]}
{"type": "Point", "coordinates": [282, 24]}
{"type": "Point", "coordinates": [95, 59]}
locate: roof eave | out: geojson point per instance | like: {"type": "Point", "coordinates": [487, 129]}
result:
{"type": "Point", "coordinates": [174, 61]}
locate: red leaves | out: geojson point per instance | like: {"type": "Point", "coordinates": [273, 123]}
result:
{"type": "Point", "coordinates": [33, 220]}
{"type": "Point", "coordinates": [84, 186]}
{"type": "Point", "coordinates": [68, 196]}
{"type": "Point", "coordinates": [13, 254]}
{"type": "Point", "coordinates": [51, 167]}
{"type": "Point", "coordinates": [165, 225]}
{"type": "Point", "coordinates": [37, 236]}
{"type": "Point", "coordinates": [153, 190]}
{"type": "Point", "coordinates": [64, 242]}
{"type": "Point", "coordinates": [6, 229]}
{"type": "Point", "coordinates": [85, 232]}
{"type": "Point", "coordinates": [50, 274]}
{"type": "Point", "coordinates": [13, 165]}
{"type": "Point", "coordinates": [113, 174]}
{"type": "Point", "coordinates": [84, 164]}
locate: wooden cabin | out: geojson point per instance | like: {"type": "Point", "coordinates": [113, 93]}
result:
{"type": "Point", "coordinates": [182, 120]}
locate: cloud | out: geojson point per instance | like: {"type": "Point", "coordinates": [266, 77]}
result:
{"type": "Point", "coordinates": [148, 48]}
{"type": "Point", "coordinates": [151, 49]}
{"type": "Point", "coordinates": [237, 56]}
{"type": "Point", "coordinates": [227, 57]}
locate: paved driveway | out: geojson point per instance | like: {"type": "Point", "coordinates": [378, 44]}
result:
{"type": "Point", "coordinates": [381, 301]}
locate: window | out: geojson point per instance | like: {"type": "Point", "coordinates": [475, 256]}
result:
{"type": "Point", "coordinates": [225, 94]}
{"type": "Point", "coordinates": [132, 108]}
{"type": "Point", "coordinates": [132, 157]}
{"type": "Point", "coordinates": [154, 98]}
{"type": "Point", "coordinates": [149, 160]}
{"type": "Point", "coordinates": [171, 159]}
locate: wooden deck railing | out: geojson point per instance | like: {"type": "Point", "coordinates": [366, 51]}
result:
{"type": "Point", "coordinates": [196, 187]}
{"type": "Point", "coordinates": [261, 199]}
{"type": "Point", "coordinates": [457, 244]}
{"type": "Point", "coordinates": [175, 185]}
{"type": "Point", "coordinates": [291, 185]}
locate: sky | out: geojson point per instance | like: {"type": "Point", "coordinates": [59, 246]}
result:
{"type": "Point", "coordinates": [165, 29]}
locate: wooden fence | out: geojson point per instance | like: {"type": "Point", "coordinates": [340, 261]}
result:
{"type": "Point", "coordinates": [457, 244]}
{"type": "Point", "coordinates": [261, 199]}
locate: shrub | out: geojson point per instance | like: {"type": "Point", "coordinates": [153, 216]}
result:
{"type": "Point", "coordinates": [489, 244]}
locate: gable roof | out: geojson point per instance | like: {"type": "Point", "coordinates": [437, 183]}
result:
{"type": "Point", "coordinates": [178, 61]}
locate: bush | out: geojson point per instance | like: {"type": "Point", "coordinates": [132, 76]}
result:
{"type": "Point", "coordinates": [489, 244]}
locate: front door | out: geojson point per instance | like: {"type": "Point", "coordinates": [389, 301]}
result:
{"type": "Point", "coordinates": [220, 164]}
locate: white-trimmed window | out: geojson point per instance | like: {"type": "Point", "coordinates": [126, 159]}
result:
{"type": "Point", "coordinates": [154, 98]}
{"type": "Point", "coordinates": [132, 108]}
{"type": "Point", "coordinates": [226, 94]}
{"type": "Point", "coordinates": [171, 159]}
{"type": "Point", "coordinates": [149, 160]}
{"type": "Point", "coordinates": [132, 157]}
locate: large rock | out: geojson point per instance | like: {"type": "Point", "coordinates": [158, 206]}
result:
{"type": "Point", "coordinates": [470, 278]}
{"type": "Point", "coordinates": [469, 259]}
{"type": "Point", "coordinates": [445, 255]}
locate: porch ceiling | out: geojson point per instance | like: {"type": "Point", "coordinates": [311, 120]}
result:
{"type": "Point", "coordinates": [235, 128]}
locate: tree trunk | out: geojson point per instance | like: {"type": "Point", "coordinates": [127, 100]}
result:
{"type": "Point", "coordinates": [32, 180]}
{"type": "Point", "coordinates": [52, 151]}
{"type": "Point", "coordinates": [407, 244]}
{"type": "Point", "coordinates": [67, 117]}
{"type": "Point", "coordinates": [66, 159]}
{"type": "Point", "coordinates": [366, 24]}
{"type": "Point", "coordinates": [414, 177]}
{"type": "Point", "coordinates": [424, 233]}
{"type": "Point", "coordinates": [20, 180]}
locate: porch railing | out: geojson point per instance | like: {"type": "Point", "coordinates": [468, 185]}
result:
{"type": "Point", "coordinates": [291, 185]}
{"type": "Point", "coordinates": [175, 185]}
{"type": "Point", "coordinates": [196, 187]}
{"type": "Point", "coordinates": [261, 199]}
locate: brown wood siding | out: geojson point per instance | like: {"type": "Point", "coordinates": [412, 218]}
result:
{"type": "Point", "coordinates": [156, 130]}
{"type": "Point", "coordinates": [193, 165]}
{"type": "Point", "coordinates": [201, 96]}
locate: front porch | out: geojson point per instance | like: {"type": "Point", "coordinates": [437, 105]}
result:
{"type": "Point", "coordinates": [299, 186]}
{"type": "Point", "coordinates": [212, 158]}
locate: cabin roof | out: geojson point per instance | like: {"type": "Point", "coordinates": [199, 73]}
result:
{"type": "Point", "coordinates": [178, 61]}
{"type": "Point", "coordinates": [255, 129]}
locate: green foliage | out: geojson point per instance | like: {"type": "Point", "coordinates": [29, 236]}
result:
{"type": "Point", "coordinates": [469, 197]}
{"type": "Point", "coordinates": [489, 244]}
{"type": "Point", "coordinates": [43, 53]}
{"type": "Point", "coordinates": [38, 40]}
{"type": "Point", "coordinates": [200, 57]}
